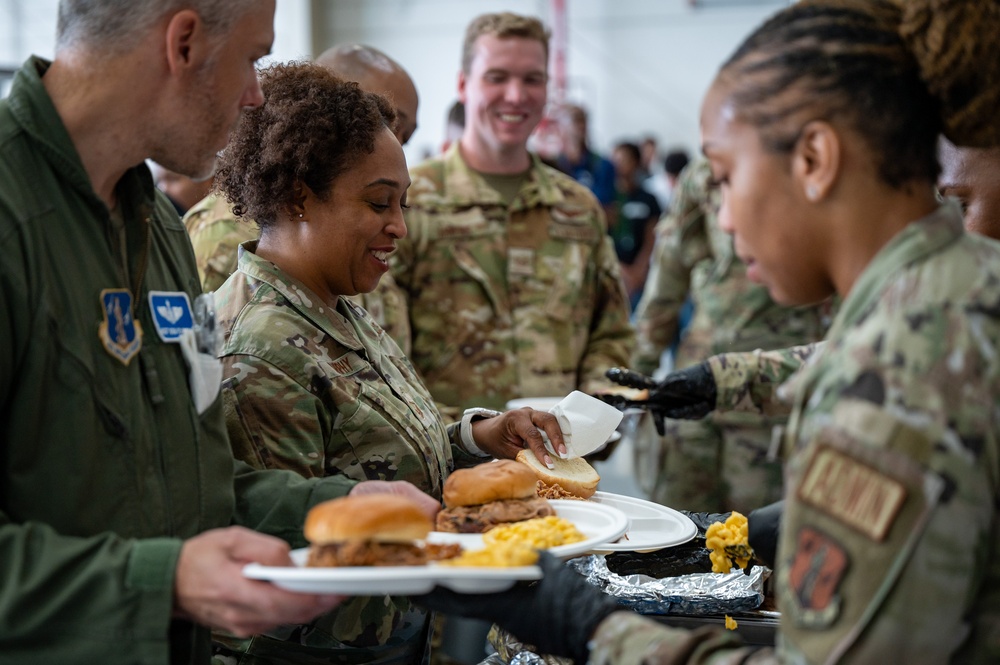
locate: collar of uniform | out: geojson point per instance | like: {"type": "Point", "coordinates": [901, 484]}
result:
{"type": "Point", "coordinates": [34, 112]}
{"type": "Point", "coordinates": [463, 186]}
{"type": "Point", "coordinates": [300, 297]}
{"type": "Point", "coordinates": [32, 107]}
{"type": "Point", "coordinates": [920, 238]}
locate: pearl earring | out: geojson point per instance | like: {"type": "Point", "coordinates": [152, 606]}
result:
{"type": "Point", "coordinates": [812, 193]}
{"type": "Point", "coordinates": [301, 215]}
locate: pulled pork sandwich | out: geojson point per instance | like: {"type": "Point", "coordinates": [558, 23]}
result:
{"type": "Point", "coordinates": [371, 530]}
{"type": "Point", "coordinates": [480, 498]}
{"type": "Point", "coordinates": [571, 478]}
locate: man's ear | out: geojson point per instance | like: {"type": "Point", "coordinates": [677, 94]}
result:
{"type": "Point", "coordinates": [816, 159]}
{"type": "Point", "coordinates": [185, 37]}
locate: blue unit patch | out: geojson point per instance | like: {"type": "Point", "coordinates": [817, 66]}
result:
{"type": "Point", "coordinates": [120, 333]}
{"type": "Point", "coordinates": [171, 312]}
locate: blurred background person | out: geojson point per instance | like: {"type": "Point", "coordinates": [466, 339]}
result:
{"type": "Point", "coordinates": [513, 286]}
{"type": "Point", "coordinates": [376, 72]}
{"type": "Point", "coordinates": [580, 161]}
{"type": "Point", "coordinates": [312, 383]}
{"type": "Point", "coordinates": [662, 183]}
{"type": "Point", "coordinates": [454, 125]}
{"type": "Point", "coordinates": [650, 163]}
{"type": "Point", "coordinates": [632, 227]}
{"type": "Point", "coordinates": [720, 463]}
{"type": "Point", "coordinates": [182, 191]}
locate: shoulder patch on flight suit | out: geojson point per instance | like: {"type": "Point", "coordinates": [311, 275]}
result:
{"type": "Point", "coordinates": [171, 312]}
{"type": "Point", "coordinates": [119, 332]}
{"type": "Point", "coordinates": [852, 492]}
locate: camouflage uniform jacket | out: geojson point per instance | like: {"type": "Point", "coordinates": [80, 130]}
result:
{"type": "Point", "coordinates": [889, 547]}
{"type": "Point", "coordinates": [694, 257]}
{"type": "Point", "coordinates": [325, 392]}
{"type": "Point", "coordinates": [524, 300]}
{"type": "Point", "coordinates": [216, 235]}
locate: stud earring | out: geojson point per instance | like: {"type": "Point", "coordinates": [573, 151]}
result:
{"type": "Point", "coordinates": [812, 193]}
{"type": "Point", "coordinates": [301, 215]}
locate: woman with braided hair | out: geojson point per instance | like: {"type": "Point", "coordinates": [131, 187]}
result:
{"type": "Point", "coordinates": [822, 131]}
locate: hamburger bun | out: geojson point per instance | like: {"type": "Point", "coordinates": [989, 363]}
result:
{"type": "Point", "coordinates": [384, 518]}
{"type": "Point", "coordinates": [492, 481]}
{"type": "Point", "coordinates": [575, 475]}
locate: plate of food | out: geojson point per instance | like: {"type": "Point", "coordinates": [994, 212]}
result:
{"type": "Point", "coordinates": [383, 543]}
{"type": "Point", "coordinates": [651, 525]}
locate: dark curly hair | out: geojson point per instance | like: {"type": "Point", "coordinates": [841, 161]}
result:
{"type": "Point", "coordinates": [898, 73]}
{"type": "Point", "coordinates": [311, 127]}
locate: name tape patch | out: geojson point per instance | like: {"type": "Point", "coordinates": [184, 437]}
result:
{"type": "Point", "coordinates": [852, 492]}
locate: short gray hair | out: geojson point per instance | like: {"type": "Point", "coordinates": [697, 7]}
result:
{"type": "Point", "coordinates": [118, 25]}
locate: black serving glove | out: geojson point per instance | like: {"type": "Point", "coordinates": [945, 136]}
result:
{"type": "Point", "coordinates": [687, 394]}
{"type": "Point", "coordinates": [558, 614]}
{"type": "Point", "coordinates": [763, 529]}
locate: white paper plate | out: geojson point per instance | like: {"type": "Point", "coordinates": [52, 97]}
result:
{"type": "Point", "coordinates": [651, 526]}
{"type": "Point", "coordinates": [397, 580]}
{"type": "Point", "coordinates": [599, 523]}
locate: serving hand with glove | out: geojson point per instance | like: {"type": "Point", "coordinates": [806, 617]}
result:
{"type": "Point", "coordinates": [687, 394]}
{"type": "Point", "coordinates": [557, 615]}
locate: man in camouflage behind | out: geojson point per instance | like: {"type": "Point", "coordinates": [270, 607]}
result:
{"type": "Point", "coordinates": [216, 233]}
{"type": "Point", "coordinates": [719, 463]}
{"type": "Point", "coordinates": [513, 285]}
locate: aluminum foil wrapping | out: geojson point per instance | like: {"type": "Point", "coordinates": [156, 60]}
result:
{"type": "Point", "coordinates": [697, 594]}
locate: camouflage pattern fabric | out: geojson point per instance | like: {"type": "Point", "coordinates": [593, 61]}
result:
{"type": "Point", "coordinates": [325, 392]}
{"type": "Point", "coordinates": [524, 300]}
{"type": "Point", "coordinates": [387, 306]}
{"type": "Point", "coordinates": [750, 382]}
{"type": "Point", "coordinates": [719, 463]}
{"type": "Point", "coordinates": [216, 234]}
{"type": "Point", "coordinates": [889, 547]}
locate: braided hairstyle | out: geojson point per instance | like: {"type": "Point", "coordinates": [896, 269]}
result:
{"type": "Point", "coordinates": [310, 129]}
{"type": "Point", "coordinates": [898, 73]}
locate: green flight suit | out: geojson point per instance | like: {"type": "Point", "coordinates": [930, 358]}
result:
{"type": "Point", "coordinates": [106, 466]}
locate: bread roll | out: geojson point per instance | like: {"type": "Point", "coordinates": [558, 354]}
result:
{"type": "Point", "coordinates": [575, 475]}
{"type": "Point", "coordinates": [492, 481]}
{"type": "Point", "coordinates": [386, 518]}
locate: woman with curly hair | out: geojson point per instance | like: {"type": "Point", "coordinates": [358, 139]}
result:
{"type": "Point", "coordinates": [822, 131]}
{"type": "Point", "coordinates": [311, 383]}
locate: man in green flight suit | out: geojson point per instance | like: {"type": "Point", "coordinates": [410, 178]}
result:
{"type": "Point", "coordinates": [119, 490]}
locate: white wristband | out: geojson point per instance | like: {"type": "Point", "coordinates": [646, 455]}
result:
{"type": "Point", "coordinates": [465, 429]}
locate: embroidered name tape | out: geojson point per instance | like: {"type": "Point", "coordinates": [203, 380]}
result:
{"type": "Point", "coordinates": [854, 493]}
{"type": "Point", "coordinates": [171, 312]}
